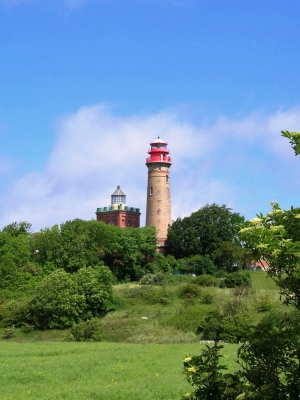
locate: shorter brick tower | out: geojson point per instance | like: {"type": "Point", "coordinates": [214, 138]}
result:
{"type": "Point", "coordinates": [118, 213]}
{"type": "Point", "coordinates": [158, 211]}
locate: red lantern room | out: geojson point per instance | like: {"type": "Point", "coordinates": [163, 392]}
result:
{"type": "Point", "coordinates": [159, 152]}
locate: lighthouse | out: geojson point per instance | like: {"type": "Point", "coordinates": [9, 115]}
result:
{"type": "Point", "coordinates": [158, 211]}
{"type": "Point", "coordinates": [118, 213]}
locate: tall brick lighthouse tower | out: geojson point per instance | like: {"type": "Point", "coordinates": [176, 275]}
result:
{"type": "Point", "coordinates": [158, 212]}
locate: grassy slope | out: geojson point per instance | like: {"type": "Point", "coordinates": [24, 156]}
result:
{"type": "Point", "coordinates": [260, 281]}
{"type": "Point", "coordinates": [136, 367]}
{"type": "Point", "coordinates": [95, 370]}
{"type": "Point", "coordinates": [172, 321]}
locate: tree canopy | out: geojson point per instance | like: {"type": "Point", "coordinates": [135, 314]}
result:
{"type": "Point", "coordinates": [63, 299]}
{"type": "Point", "coordinates": [212, 231]}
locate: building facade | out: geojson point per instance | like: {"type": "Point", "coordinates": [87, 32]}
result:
{"type": "Point", "coordinates": [158, 210]}
{"type": "Point", "coordinates": [118, 213]}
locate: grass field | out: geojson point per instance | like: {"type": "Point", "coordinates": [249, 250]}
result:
{"type": "Point", "coordinates": [261, 281]}
{"type": "Point", "coordinates": [141, 359]}
{"type": "Point", "coordinates": [106, 371]}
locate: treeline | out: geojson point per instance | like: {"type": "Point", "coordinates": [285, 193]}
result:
{"type": "Point", "coordinates": [204, 243]}
{"type": "Point", "coordinates": [27, 257]}
{"type": "Point", "coordinates": [67, 271]}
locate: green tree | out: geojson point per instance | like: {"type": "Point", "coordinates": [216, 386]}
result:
{"type": "Point", "coordinates": [275, 239]}
{"type": "Point", "coordinates": [204, 233]}
{"type": "Point", "coordinates": [57, 302]}
{"type": "Point", "coordinates": [95, 284]}
{"type": "Point", "coordinates": [14, 254]}
{"type": "Point", "coordinates": [198, 265]}
{"type": "Point", "coordinates": [229, 256]}
{"type": "Point", "coordinates": [46, 248]}
{"type": "Point", "coordinates": [127, 252]}
{"type": "Point", "coordinates": [63, 299]}
{"type": "Point", "coordinates": [18, 228]}
{"type": "Point", "coordinates": [76, 244]}
{"type": "Point", "coordinates": [294, 138]}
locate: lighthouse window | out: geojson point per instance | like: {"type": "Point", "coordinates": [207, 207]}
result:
{"type": "Point", "coordinates": [167, 178]}
{"type": "Point", "coordinates": [118, 199]}
{"type": "Point", "coordinates": [151, 190]}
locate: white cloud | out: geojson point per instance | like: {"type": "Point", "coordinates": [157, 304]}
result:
{"type": "Point", "coordinates": [96, 150]}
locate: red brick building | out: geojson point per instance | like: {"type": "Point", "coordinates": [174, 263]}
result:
{"type": "Point", "coordinates": [118, 213]}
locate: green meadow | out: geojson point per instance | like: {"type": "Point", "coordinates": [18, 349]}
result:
{"type": "Point", "coordinates": [103, 371]}
{"type": "Point", "coordinates": [139, 359]}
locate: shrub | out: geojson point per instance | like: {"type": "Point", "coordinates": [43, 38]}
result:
{"type": "Point", "coordinates": [148, 294]}
{"type": "Point", "coordinates": [270, 357]}
{"type": "Point", "coordinates": [86, 331]}
{"type": "Point", "coordinates": [210, 326]}
{"type": "Point", "coordinates": [204, 372]}
{"type": "Point", "coordinates": [63, 299]}
{"type": "Point", "coordinates": [158, 279]}
{"type": "Point", "coordinates": [57, 303]}
{"type": "Point", "coordinates": [189, 291]}
{"type": "Point", "coordinates": [27, 328]}
{"type": "Point", "coordinates": [235, 328]}
{"type": "Point", "coordinates": [198, 265]}
{"type": "Point", "coordinates": [206, 280]}
{"type": "Point", "coordinates": [159, 264]}
{"type": "Point", "coordinates": [211, 330]}
{"type": "Point", "coordinates": [233, 307]}
{"type": "Point", "coordinates": [95, 285]}
{"type": "Point", "coordinates": [263, 303]}
{"type": "Point", "coordinates": [9, 332]}
{"type": "Point", "coordinates": [234, 279]}
{"type": "Point", "coordinates": [18, 315]}
{"type": "Point", "coordinates": [207, 298]}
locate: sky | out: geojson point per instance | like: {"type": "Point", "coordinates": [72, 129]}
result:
{"type": "Point", "coordinates": [86, 85]}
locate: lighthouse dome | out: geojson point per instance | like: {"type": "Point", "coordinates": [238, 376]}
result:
{"type": "Point", "coordinates": [118, 197]}
{"type": "Point", "coordinates": [158, 143]}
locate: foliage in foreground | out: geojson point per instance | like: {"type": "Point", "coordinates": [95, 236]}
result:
{"type": "Point", "coordinates": [294, 138]}
{"type": "Point", "coordinates": [275, 239]}
{"type": "Point", "coordinates": [270, 355]}
{"type": "Point", "coordinates": [269, 361]}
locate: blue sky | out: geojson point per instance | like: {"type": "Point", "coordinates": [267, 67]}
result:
{"type": "Point", "coordinates": [85, 85]}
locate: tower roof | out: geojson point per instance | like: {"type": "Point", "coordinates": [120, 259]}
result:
{"type": "Point", "coordinates": [118, 192]}
{"type": "Point", "coordinates": [158, 141]}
